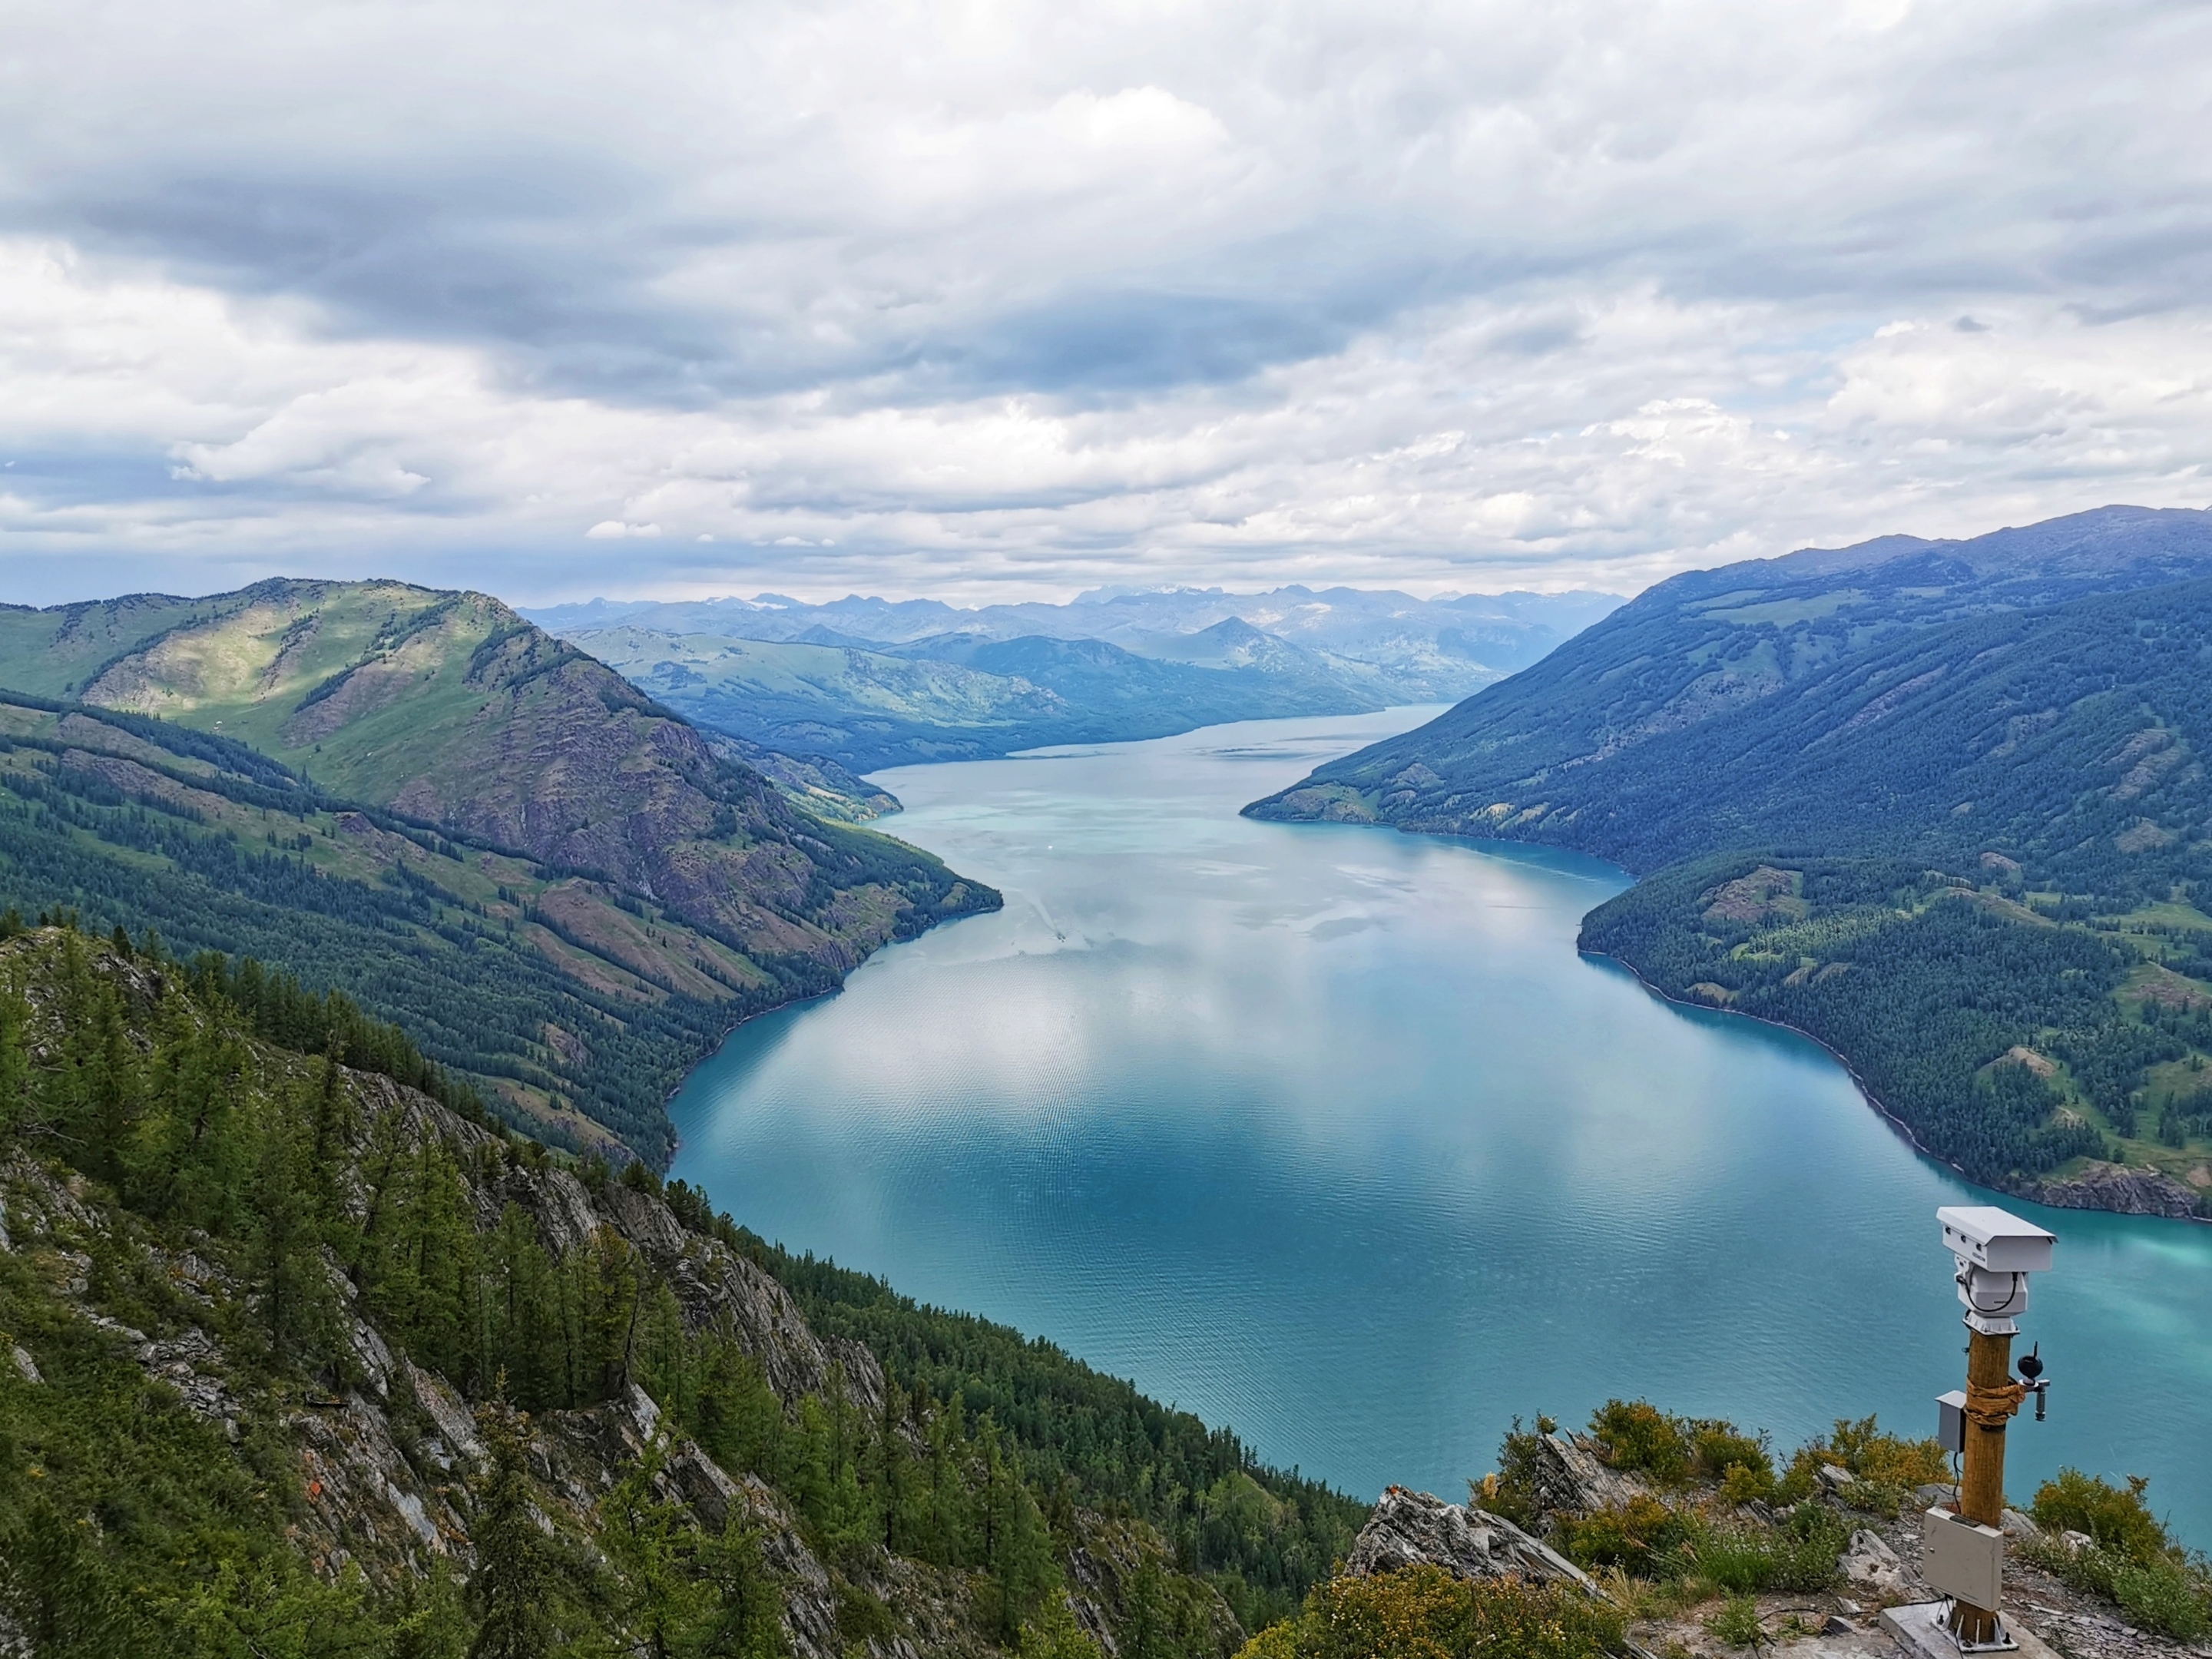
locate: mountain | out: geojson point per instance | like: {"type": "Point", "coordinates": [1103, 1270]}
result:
{"type": "Point", "coordinates": [970, 695]}
{"type": "Point", "coordinates": [1405, 650]}
{"type": "Point", "coordinates": [1711, 642]}
{"type": "Point", "coordinates": [300, 1361]}
{"type": "Point", "coordinates": [1939, 803]}
{"type": "Point", "coordinates": [478, 830]}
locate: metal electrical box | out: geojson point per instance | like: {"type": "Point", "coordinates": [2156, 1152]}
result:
{"type": "Point", "coordinates": [1962, 1560]}
{"type": "Point", "coordinates": [1951, 1420]}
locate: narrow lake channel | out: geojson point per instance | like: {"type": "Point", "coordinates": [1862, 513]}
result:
{"type": "Point", "coordinates": [1328, 1134]}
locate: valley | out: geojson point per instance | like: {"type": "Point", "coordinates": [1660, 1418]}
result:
{"type": "Point", "coordinates": [361, 946]}
{"type": "Point", "coordinates": [873, 683]}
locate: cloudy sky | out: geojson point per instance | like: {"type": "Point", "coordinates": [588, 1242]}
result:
{"type": "Point", "coordinates": [984, 298]}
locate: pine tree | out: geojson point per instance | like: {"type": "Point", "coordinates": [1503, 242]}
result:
{"type": "Point", "coordinates": [298, 1308]}
{"type": "Point", "coordinates": [15, 1062]}
{"type": "Point", "coordinates": [514, 1576]}
{"type": "Point", "coordinates": [747, 1620]}
{"type": "Point", "coordinates": [651, 1542]}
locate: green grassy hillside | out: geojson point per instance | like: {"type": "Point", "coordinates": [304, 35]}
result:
{"type": "Point", "coordinates": [471, 827]}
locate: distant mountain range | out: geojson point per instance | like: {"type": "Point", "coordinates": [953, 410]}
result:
{"type": "Point", "coordinates": [1822, 762]}
{"type": "Point", "coordinates": [563, 891]}
{"type": "Point", "coordinates": [869, 683]}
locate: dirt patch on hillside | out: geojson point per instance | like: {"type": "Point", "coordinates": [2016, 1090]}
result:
{"type": "Point", "coordinates": [1766, 894]}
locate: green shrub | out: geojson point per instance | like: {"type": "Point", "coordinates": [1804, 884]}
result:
{"type": "Point", "coordinates": [1798, 1555]}
{"type": "Point", "coordinates": [1636, 1435]}
{"type": "Point", "coordinates": [1889, 1465]}
{"type": "Point", "coordinates": [1511, 1492]}
{"type": "Point", "coordinates": [1425, 1612]}
{"type": "Point", "coordinates": [2089, 1569]}
{"type": "Point", "coordinates": [1887, 1460]}
{"type": "Point", "coordinates": [1633, 1536]}
{"type": "Point", "coordinates": [2119, 1520]}
{"type": "Point", "coordinates": [2166, 1596]}
{"type": "Point", "coordinates": [1741, 1483]}
{"type": "Point", "coordinates": [1717, 1448]}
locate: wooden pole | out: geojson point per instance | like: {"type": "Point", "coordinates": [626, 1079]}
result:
{"type": "Point", "coordinates": [1981, 1487]}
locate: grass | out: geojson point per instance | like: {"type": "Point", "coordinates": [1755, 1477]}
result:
{"type": "Point", "coordinates": [1737, 1623]}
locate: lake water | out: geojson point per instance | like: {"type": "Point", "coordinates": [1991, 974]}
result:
{"type": "Point", "coordinates": [1330, 1134]}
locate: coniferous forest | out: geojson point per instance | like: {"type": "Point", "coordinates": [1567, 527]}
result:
{"type": "Point", "coordinates": [246, 1252]}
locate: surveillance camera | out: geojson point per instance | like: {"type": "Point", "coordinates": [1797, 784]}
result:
{"type": "Point", "coordinates": [1994, 1240]}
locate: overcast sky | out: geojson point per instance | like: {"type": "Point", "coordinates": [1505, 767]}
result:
{"type": "Point", "coordinates": [990, 300]}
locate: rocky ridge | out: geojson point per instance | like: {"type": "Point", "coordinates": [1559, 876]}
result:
{"type": "Point", "coordinates": [1878, 1568]}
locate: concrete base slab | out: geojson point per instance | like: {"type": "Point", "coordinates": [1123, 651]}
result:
{"type": "Point", "coordinates": [1918, 1627]}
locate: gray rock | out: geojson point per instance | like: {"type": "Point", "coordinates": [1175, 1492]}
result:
{"type": "Point", "coordinates": [1411, 1529]}
{"type": "Point", "coordinates": [1871, 1562]}
{"type": "Point", "coordinates": [1837, 1624]}
{"type": "Point", "coordinates": [1572, 1479]}
{"type": "Point", "coordinates": [2145, 1191]}
{"type": "Point", "coordinates": [27, 1365]}
{"type": "Point", "coordinates": [2017, 1525]}
{"type": "Point", "coordinates": [1836, 1478]}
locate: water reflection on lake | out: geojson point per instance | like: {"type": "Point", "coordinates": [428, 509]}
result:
{"type": "Point", "coordinates": [1328, 1134]}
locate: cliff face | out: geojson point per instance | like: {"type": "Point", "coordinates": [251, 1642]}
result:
{"type": "Point", "coordinates": [383, 1463]}
{"type": "Point", "coordinates": [2118, 1187]}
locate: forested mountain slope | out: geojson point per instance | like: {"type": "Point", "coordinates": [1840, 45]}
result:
{"type": "Point", "coordinates": [1710, 641]}
{"type": "Point", "coordinates": [563, 889]}
{"type": "Point", "coordinates": [1968, 799]}
{"type": "Point", "coordinates": [969, 697]}
{"type": "Point", "coordinates": [451, 708]}
{"type": "Point", "coordinates": [299, 1361]}
{"type": "Point", "coordinates": [2066, 737]}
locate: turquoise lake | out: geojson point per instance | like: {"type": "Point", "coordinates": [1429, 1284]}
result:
{"type": "Point", "coordinates": [1329, 1133]}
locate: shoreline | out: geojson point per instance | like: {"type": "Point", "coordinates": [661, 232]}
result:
{"type": "Point", "coordinates": [675, 1140]}
{"type": "Point", "coordinates": [1873, 1100]}
{"type": "Point", "coordinates": [1850, 1071]}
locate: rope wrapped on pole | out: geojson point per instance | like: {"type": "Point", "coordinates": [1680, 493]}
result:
{"type": "Point", "coordinates": [1989, 1407]}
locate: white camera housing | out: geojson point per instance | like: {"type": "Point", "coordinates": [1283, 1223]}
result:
{"type": "Point", "coordinates": [1995, 1251]}
{"type": "Point", "coordinates": [1981, 1236]}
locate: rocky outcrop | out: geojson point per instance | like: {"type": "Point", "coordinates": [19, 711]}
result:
{"type": "Point", "coordinates": [1571, 1479]}
{"type": "Point", "coordinates": [385, 1464]}
{"type": "Point", "coordinates": [2144, 1191]}
{"type": "Point", "coordinates": [716, 1287]}
{"type": "Point", "coordinates": [1412, 1528]}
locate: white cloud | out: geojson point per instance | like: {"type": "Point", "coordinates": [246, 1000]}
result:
{"type": "Point", "coordinates": [1018, 297]}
